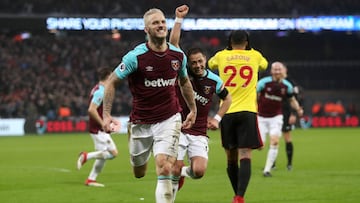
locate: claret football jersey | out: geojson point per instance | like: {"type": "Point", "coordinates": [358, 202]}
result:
{"type": "Point", "coordinates": [152, 77]}
{"type": "Point", "coordinates": [204, 89]}
{"type": "Point", "coordinates": [271, 95]}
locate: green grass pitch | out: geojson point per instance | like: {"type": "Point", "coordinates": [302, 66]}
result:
{"type": "Point", "coordinates": [41, 169]}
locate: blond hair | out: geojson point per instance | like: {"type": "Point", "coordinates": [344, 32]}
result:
{"type": "Point", "coordinates": [282, 66]}
{"type": "Point", "coordinates": [149, 13]}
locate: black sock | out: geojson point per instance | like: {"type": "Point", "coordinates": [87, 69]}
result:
{"type": "Point", "coordinates": [289, 152]}
{"type": "Point", "coordinates": [232, 171]}
{"type": "Point", "coordinates": [244, 176]}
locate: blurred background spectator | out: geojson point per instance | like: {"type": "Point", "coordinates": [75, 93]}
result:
{"type": "Point", "coordinates": [334, 108]}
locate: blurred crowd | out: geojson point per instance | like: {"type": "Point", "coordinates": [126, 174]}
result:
{"type": "Point", "coordinates": [330, 108]}
{"type": "Point", "coordinates": [52, 74]}
{"type": "Point", "coordinates": [41, 75]}
{"type": "Point", "coordinates": [198, 7]}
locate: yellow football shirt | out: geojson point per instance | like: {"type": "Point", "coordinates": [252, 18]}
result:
{"type": "Point", "coordinates": [239, 71]}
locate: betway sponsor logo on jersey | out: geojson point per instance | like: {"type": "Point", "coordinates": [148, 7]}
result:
{"type": "Point", "coordinates": [201, 99]}
{"type": "Point", "coordinates": [160, 82]}
{"type": "Point", "coordinates": [272, 97]}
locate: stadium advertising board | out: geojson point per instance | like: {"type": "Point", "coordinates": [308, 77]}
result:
{"type": "Point", "coordinates": [69, 126]}
{"type": "Point", "coordinates": [12, 127]}
{"type": "Point", "coordinates": [63, 126]}
{"type": "Point", "coordinates": [305, 23]}
{"type": "Point", "coordinates": [334, 121]}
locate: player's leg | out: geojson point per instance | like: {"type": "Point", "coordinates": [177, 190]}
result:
{"type": "Point", "coordinates": [275, 134]}
{"type": "Point", "coordinates": [165, 148]}
{"type": "Point", "coordinates": [105, 149]}
{"type": "Point", "coordinates": [244, 174]}
{"type": "Point", "coordinates": [198, 153]}
{"type": "Point", "coordinates": [263, 128]}
{"type": "Point", "coordinates": [95, 171]}
{"type": "Point", "coordinates": [104, 146]}
{"type": "Point", "coordinates": [232, 168]}
{"type": "Point", "coordinates": [197, 168]}
{"type": "Point", "coordinates": [289, 121]}
{"type": "Point", "coordinates": [140, 144]}
{"type": "Point", "coordinates": [247, 138]}
{"type": "Point", "coordinates": [177, 179]}
{"type": "Point", "coordinates": [272, 154]}
{"type": "Point", "coordinates": [164, 188]}
{"type": "Point", "coordinates": [228, 140]}
{"type": "Point", "coordinates": [289, 149]}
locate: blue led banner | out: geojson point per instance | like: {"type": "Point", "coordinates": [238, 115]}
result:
{"type": "Point", "coordinates": [306, 23]}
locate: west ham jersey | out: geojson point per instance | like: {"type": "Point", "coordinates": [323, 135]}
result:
{"type": "Point", "coordinates": [296, 92]}
{"type": "Point", "coordinates": [239, 71]}
{"type": "Point", "coordinates": [96, 97]}
{"type": "Point", "coordinates": [152, 77]}
{"type": "Point", "coordinates": [204, 89]}
{"type": "Point", "coordinates": [271, 96]}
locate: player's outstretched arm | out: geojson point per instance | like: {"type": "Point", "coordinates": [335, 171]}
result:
{"type": "Point", "coordinates": [175, 33]}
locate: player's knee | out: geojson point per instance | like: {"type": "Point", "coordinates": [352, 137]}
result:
{"type": "Point", "coordinates": [139, 174]}
{"type": "Point", "coordinates": [176, 170]}
{"type": "Point", "coordinates": [115, 153]}
{"type": "Point", "coordinates": [274, 143]}
{"type": "Point", "coordinates": [164, 164]}
{"type": "Point", "coordinates": [198, 173]}
{"type": "Point", "coordinates": [232, 155]}
{"type": "Point", "coordinates": [140, 171]}
{"type": "Point", "coordinates": [274, 140]}
{"type": "Point", "coordinates": [165, 169]}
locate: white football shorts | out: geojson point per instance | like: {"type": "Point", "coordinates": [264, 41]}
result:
{"type": "Point", "coordinates": [103, 141]}
{"type": "Point", "coordinates": [270, 126]}
{"type": "Point", "coordinates": [192, 145]}
{"type": "Point", "coordinates": [159, 138]}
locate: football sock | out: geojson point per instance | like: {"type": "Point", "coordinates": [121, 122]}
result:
{"type": "Point", "coordinates": [232, 171]}
{"type": "Point", "coordinates": [93, 155]}
{"type": "Point", "coordinates": [164, 191]}
{"type": "Point", "coordinates": [243, 176]}
{"type": "Point", "coordinates": [99, 155]}
{"type": "Point", "coordinates": [175, 185]}
{"type": "Point", "coordinates": [289, 152]}
{"type": "Point", "coordinates": [96, 169]}
{"type": "Point", "coordinates": [185, 171]}
{"type": "Point", "coordinates": [271, 157]}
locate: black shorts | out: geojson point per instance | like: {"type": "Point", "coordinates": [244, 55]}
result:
{"type": "Point", "coordinates": [286, 126]}
{"type": "Point", "coordinates": [240, 130]}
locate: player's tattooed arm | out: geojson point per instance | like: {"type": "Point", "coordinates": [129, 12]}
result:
{"type": "Point", "coordinates": [188, 94]}
{"type": "Point", "coordinates": [108, 100]}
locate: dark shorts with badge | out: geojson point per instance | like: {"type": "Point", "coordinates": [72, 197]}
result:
{"type": "Point", "coordinates": [240, 130]}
